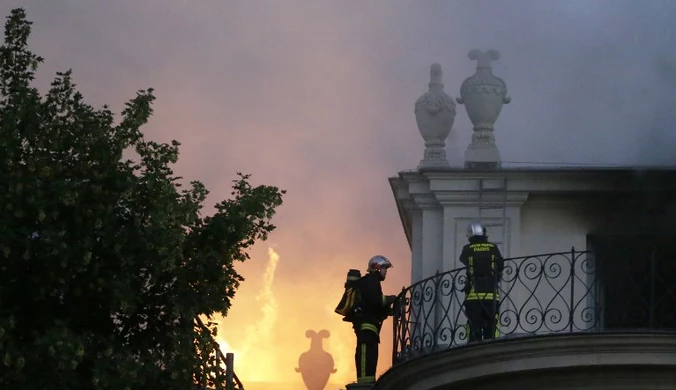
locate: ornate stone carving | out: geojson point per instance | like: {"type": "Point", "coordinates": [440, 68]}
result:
{"type": "Point", "coordinates": [434, 115]}
{"type": "Point", "coordinates": [483, 95]}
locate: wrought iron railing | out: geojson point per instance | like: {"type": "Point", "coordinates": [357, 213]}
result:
{"type": "Point", "coordinates": [539, 295]}
{"type": "Point", "coordinates": [220, 368]}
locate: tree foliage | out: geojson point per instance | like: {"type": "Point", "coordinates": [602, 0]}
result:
{"type": "Point", "coordinates": [105, 262]}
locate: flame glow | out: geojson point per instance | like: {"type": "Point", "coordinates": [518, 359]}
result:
{"type": "Point", "coordinates": [254, 361]}
{"type": "Point", "coordinates": [266, 330]}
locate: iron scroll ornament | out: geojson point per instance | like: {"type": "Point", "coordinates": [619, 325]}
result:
{"type": "Point", "coordinates": [538, 295]}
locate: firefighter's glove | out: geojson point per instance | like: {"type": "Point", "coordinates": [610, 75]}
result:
{"type": "Point", "coordinates": [390, 299]}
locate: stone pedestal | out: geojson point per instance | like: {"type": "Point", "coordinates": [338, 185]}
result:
{"type": "Point", "coordinates": [483, 155]}
{"type": "Point", "coordinates": [475, 158]}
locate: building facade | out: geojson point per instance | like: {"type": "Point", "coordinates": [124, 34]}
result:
{"type": "Point", "coordinates": [587, 299]}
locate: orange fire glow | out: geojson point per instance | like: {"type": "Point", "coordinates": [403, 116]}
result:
{"type": "Point", "coordinates": [266, 329]}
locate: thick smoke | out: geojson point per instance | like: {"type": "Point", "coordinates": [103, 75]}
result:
{"type": "Point", "coordinates": [592, 82]}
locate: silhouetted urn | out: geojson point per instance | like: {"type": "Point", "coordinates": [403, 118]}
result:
{"type": "Point", "coordinates": [483, 95]}
{"type": "Point", "coordinates": [434, 115]}
{"type": "Point", "coordinates": [316, 365]}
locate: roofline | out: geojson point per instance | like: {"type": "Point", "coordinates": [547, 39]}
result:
{"type": "Point", "coordinates": [402, 214]}
{"type": "Point", "coordinates": [466, 173]}
{"type": "Point", "coordinates": [548, 169]}
{"type": "Point", "coordinates": [537, 172]}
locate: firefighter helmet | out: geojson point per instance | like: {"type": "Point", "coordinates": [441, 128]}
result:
{"type": "Point", "coordinates": [379, 264]}
{"type": "Point", "coordinates": [476, 229]}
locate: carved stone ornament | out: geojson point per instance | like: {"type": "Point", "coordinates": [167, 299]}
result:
{"type": "Point", "coordinates": [483, 95]}
{"type": "Point", "coordinates": [434, 115]}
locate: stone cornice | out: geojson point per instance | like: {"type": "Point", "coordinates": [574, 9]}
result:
{"type": "Point", "coordinates": [551, 184]}
{"type": "Point", "coordinates": [471, 198]}
{"type": "Point", "coordinates": [454, 186]}
{"type": "Point", "coordinates": [409, 205]}
{"type": "Point", "coordinates": [404, 204]}
{"type": "Point", "coordinates": [546, 171]}
{"type": "Point", "coordinates": [558, 180]}
{"type": "Point", "coordinates": [519, 357]}
{"type": "Point", "coordinates": [426, 201]}
{"type": "Point", "coordinates": [589, 202]}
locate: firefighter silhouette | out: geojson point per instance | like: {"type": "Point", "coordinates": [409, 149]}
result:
{"type": "Point", "coordinates": [316, 365]}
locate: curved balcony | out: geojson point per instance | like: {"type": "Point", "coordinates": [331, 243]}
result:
{"type": "Point", "coordinates": [553, 307]}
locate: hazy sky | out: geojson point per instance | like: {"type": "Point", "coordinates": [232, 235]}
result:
{"type": "Point", "coordinates": [317, 97]}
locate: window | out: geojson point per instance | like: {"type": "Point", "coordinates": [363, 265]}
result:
{"type": "Point", "coordinates": [638, 281]}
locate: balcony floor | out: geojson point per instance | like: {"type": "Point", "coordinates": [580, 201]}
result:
{"type": "Point", "coordinates": [600, 361]}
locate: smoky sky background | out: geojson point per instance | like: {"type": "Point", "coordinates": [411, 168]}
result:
{"type": "Point", "coordinates": [317, 98]}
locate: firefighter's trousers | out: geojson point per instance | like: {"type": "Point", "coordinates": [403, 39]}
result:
{"type": "Point", "coordinates": [366, 355]}
{"type": "Point", "coordinates": [482, 318]}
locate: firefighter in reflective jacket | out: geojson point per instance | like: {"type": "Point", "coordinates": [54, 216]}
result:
{"type": "Point", "coordinates": [484, 269]}
{"type": "Point", "coordinates": [374, 309]}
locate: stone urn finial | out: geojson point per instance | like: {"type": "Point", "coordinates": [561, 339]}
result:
{"type": "Point", "coordinates": [316, 365]}
{"type": "Point", "coordinates": [434, 115]}
{"type": "Point", "coordinates": [483, 95]}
